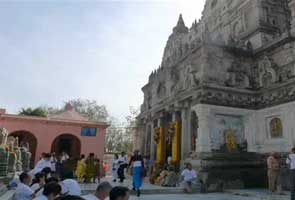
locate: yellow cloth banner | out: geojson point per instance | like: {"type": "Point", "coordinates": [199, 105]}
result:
{"type": "Point", "coordinates": [161, 149]}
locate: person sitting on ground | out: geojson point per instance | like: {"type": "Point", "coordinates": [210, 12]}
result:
{"type": "Point", "coordinates": [119, 193]}
{"type": "Point", "coordinates": [81, 169]}
{"type": "Point", "coordinates": [189, 176]}
{"type": "Point", "coordinates": [38, 181]}
{"type": "Point", "coordinates": [47, 172]}
{"type": "Point", "coordinates": [171, 179]}
{"type": "Point", "coordinates": [50, 192]}
{"type": "Point", "coordinates": [102, 192]}
{"type": "Point", "coordinates": [70, 187]}
{"type": "Point", "coordinates": [163, 174]}
{"type": "Point", "coordinates": [23, 190]}
{"type": "Point", "coordinates": [41, 164]}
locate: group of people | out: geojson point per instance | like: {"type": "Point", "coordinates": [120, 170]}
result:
{"type": "Point", "coordinates": [274, 171]}
{"type": "Point", "coordinates": [51, 188]}
{"type": "Point", "coordinates": [89, 169]}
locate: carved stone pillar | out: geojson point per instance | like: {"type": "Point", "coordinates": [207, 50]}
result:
{"type": "Point", "coordinates": [153, 144]}
{"type": "Point", "coordinates": [203, 142]}
{"type": "Point", "coordinates": [185, 138]}
{"type": "Point", "coordinates": [292, 8]}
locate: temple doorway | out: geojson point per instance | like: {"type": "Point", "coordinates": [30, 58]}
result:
{"type": "Point", "coordinates": [28, 140]}
{"type": "Point", "coordinates": [67, 143]}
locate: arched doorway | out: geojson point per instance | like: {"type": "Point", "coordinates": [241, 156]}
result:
{"type": "Point", "coordinates": [26, 138]}
{"type": "Point", "coordinates": [67, 143]}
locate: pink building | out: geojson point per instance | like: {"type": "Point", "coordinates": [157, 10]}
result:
{"type": "Point", "coordinates": [67, 131]}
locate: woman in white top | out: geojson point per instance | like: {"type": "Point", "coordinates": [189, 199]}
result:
{"type": "Point", "coordinates": [50, 192]}
{"type": "Point", "coordinates": [189, 176]}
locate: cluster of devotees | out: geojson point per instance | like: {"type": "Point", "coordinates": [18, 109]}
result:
{"type": "Point", "coordinates": [59, 177]}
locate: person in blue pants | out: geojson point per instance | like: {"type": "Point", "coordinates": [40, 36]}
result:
{"type": "Point", "coordinates": [137, 164]}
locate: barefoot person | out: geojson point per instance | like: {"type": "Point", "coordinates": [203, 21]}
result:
{"type": "Point", "coordinates": [189, 176]}
{"type": "Point", "coordinates": [273, 171]}
{"type": "Point", "coordinates": [137, 171]}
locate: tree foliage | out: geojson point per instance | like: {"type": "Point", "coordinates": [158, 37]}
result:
{"type": "Point", "coordinates": [38, 112]}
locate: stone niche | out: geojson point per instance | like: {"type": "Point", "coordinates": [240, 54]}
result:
{"type": "Point", "coordinates": [227, 133]}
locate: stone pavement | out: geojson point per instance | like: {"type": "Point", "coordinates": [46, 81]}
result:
{"type": "Point", "coordinates": [153, 192]}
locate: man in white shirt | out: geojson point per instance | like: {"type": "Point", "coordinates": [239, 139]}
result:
{"type": "Point", "coordinates": [102, 192]}
{"type": "Point", "coordinates": [23, 190]}
{"type": "Point", "coordinates": [291, 162]}
{"type": "Point", "coordinates": [189, 176]}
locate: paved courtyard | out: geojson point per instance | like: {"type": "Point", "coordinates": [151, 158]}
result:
{"type": "Point", "coordinates": [216, 196]}
{"type": "Point", "coordinates": [153, 192]}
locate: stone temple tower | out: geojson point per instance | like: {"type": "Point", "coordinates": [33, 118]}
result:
{"type": "Point", "coordinates": [224, 92]}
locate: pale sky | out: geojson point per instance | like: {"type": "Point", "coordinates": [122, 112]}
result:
{"type": "Point", "coordinates": [52, 51]}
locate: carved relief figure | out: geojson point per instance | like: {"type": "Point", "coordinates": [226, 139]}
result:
{"type": "Point", "coordinates": [190, 78]}
{"type": "Point", "coordinates": [161, 90]}
{"type": "Point", "coordinates": [267, 74]}
{"type": "Point", "coordinates": [237, 76]}
{"type": "Point", "coordinates": [276, 128]}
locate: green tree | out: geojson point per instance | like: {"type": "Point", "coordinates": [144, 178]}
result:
{"type": "Point", "coordinates": [90, 109]}
{"type": "Point", "coordinates": [39, 112]}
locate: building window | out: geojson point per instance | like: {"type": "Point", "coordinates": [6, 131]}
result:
{"type": "Point", "coordinates": [87, 131]}
{"type": "Point", "coordinates": [276, 128]}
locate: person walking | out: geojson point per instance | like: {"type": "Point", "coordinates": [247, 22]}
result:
{"type": "Point", "coordinates": [115, 166]}
{"type": "Point", "coordinates": [273, 171]}
{"type": "Point", "coordinates": [81, 169]}
{"type": "Point", "coordinates": [123, 164]}
{"type": "Point", "coordinates": [291, 162]}
{"type": "Point", "coordinates": [137, 164]}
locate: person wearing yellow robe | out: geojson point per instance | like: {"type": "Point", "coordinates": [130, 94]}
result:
{"type": "Point", "coordinates": [91, 171]}
{"type": "Point", "coordinates": [81, 169]}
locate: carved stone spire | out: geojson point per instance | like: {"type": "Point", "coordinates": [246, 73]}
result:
{"type": "Point", "coordinates": [180, 27]}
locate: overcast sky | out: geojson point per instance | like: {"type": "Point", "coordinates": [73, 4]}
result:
{"type": "Point", "coordinates": [54, 51]}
